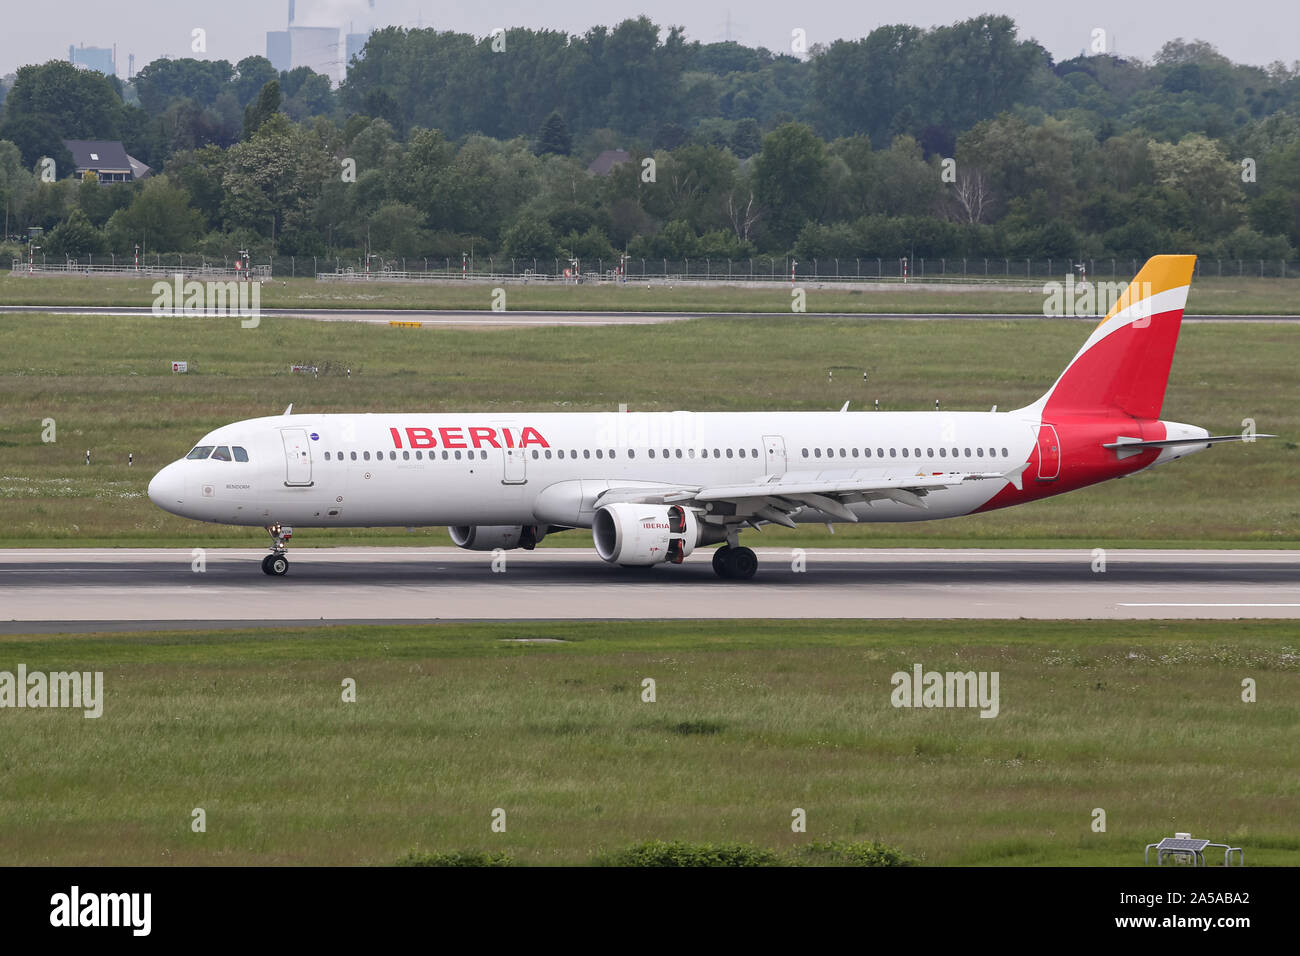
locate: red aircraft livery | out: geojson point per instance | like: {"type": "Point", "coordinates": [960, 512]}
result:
{"type": "Point", "coordinates": [477, 437]}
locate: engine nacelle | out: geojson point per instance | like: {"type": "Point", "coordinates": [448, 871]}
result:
{"type": "Point", "coordinates": [640, 535]}
{"type": "Point", "coordinates": [489, 537]}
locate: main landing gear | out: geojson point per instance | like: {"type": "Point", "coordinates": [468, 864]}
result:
{"type": "Point", "coordinates": [277, 562]}
{"type": "Point", "coordinates": [734, 563]}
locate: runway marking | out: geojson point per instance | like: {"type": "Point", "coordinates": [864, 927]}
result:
{"type": "Point", "coordinates": [1243, 604]}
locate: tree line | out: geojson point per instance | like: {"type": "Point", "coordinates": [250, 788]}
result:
{"type": "Point", "coordinates": [955, 141]}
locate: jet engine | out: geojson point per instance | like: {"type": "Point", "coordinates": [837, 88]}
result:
{"type": "Point", "coordinates": [640, 535]}
{"type": "Point", "coordinates": [492, 536]}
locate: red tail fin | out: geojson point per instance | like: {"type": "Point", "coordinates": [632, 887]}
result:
{"type": "Point", "coordinates": [1124, 365]}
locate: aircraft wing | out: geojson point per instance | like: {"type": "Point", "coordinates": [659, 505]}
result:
{"type": "Point", "coordinates": [777, 497]}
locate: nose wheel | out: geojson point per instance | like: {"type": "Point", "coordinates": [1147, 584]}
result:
{"type": "Point", "coordinates": [276, 564]}
{"type": "Point", "coordinates": [735, 564]}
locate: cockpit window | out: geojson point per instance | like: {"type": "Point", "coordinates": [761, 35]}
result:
{"type": "Point", "coordinates": [221, 454]}
{"type": "Point", "coordinates": [202, 451]}
{"type": "Point", "coordinates": [240, 454]}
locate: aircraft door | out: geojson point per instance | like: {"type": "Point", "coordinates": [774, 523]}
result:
{"type": "Point", "coordinates": [1049, 453]}
{"type": "Point", "coordinates": [515, 465]}
{"type": "Point", "coordinates": [297, 457]}
{"type": "Point", "coordinates": [774, 454]}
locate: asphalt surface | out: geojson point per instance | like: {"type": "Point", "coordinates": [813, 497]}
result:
{"type": "Point", "coordinates": [513, 319]}
{"type": "Point", "coordinates": [119, 589]}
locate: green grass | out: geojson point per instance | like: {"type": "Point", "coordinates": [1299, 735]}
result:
{"type": "Point", "coordinates": [106, 382]}
{"type": "Point", "coordinates": [1142, 719]}
{"type": "Point", "coordinates": [1209, 296]}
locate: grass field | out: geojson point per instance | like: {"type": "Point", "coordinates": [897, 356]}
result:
{"type": "Point", "coordinates": [107, 383]}
{"type": "Point", "coordinates": [1141, 719]}
{"type": "Point", "coordinates": [1209, 296]}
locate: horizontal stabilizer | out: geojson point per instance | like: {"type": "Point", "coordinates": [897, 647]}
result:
{"type": "Point", "coordinates": [1131, 446]}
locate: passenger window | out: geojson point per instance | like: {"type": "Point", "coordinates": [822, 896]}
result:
{"type": "Point", "coordinates": [904, 452]}
{"type": "Point", "coordinates": [202, 451]}
{"type": "Point", "coordinates": [327, 456]}
{"type": "Point", "coordinates": [392, 456]}
{"type": "Point", "coordinates": [631, 453]}
{"type": "Point", "coordinates": [600, 453]}
{"type": "Point", "coordinates": [817, 452]}
{"type": "Point", "coordinates": [855, 453]}
{"type": "Point", "coordinates": [241, 455]}
{"type": "Point", "coordinates": [866, 453]}
{"type": "Point", "coordinates": [651, 452]}
{"type": "Point", "coordinates": [406, 456]}
{"type": "Point", "coordinates": [742, 452]}
{"type": "Point", "coordinates": [880, 453]}
{"type": "Point", "coordinates": [929, 453]}
{"type": "Point", "coordinates": [716, 453]}
{"type": "Point", "coordinates": [678, 452]}
{"type": "Point", "coordinates": [943, 453]}
{"type": "Point", "coordinates": [755, 451]}
{"type": "Point", "coordinates": [419, 456]}
{"type": "Point", "coordinates": [1005, 453]}
{"type": "Point", "coordinates": [893, 453]}
{"type": "Point", "coordinates": [979, 452]}
{"type": "Point", "coordinates": [535, 454]}
{"type": "Point", "coordinates": [967, 452]}
{"type": "Point", "coordinates": [805, 452]}
{"type": "Point", "coordinates": [221, 454]}
{"type": "Point", "coordinates": [445, 456]}
{"type": "Point", "coordinates": [586, 453]}
{"type": "Point", "coordinates": [690, 453]}
{"type": "Point", "coordinates": [365, 455]}
{"type": "Point", "coordinates": [548, 454]}
{"type": "Point", "coordinates": [354, 456]}
{"type": "Point", "coordinates": [482, 455]}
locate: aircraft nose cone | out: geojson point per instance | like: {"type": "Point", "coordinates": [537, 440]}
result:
{"type": "Point", "coordinates": [165, 490]}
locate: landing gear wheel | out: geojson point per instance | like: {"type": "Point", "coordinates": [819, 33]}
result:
{"type": "Point", "coordinates": [277, 562]}
{"type": "Point", "coordinates": [742, 563]}
{"type": "Point", "coordinates": [735, 564]}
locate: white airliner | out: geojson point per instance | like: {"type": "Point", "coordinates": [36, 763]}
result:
{"type": "Point", "coordinates": [653, 487]}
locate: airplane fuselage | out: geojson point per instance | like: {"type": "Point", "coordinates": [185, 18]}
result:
{"type": "Point", "coordinates": [374, 470]}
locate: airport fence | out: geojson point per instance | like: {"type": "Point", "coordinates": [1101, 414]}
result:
{"type": "Point", "coordinates": [758, 269]}
{"type": "Point", "coordinates": [161, 266]}
{"type": "Point", "coordinates": [628, 269]}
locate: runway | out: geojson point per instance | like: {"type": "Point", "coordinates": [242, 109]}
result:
{"type": "Point", "coordinates": [121, 589]}
{"type": "Point", "coordinates": [525, 319]}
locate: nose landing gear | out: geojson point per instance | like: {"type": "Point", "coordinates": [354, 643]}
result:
{"type": "Point", "coordinates": [277, 562]}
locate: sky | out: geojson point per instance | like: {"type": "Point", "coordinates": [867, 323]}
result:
{"type": "Point", "coordinates": [1258, 33]}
